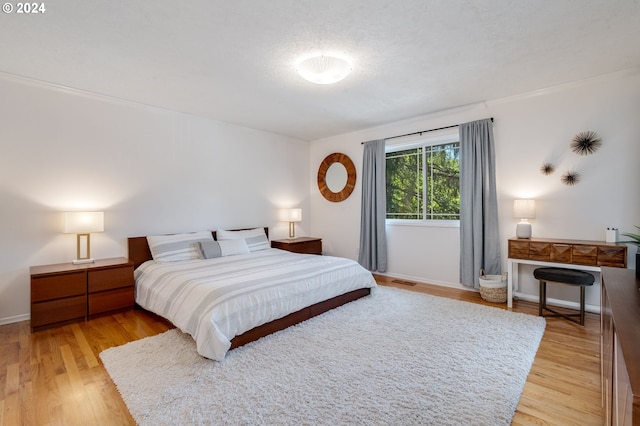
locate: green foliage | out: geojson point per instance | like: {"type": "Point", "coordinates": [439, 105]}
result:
{"type": "Point", "coordinates": [425, 172]}
{"type": "Point", "coordinates": [443, 183]}
{"type": "Point", "coordinates": [635, 237]}
{"type": "Point", "coordinates": [404, 185]}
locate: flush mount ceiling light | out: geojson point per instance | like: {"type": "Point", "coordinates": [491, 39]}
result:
{"type": "Point", "coordinates": [324, 69]}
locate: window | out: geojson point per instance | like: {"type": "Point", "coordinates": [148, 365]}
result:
{"type": "Point", "coordinates": [423, 181]}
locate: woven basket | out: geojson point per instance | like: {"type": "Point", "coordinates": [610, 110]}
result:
{"type": "Point", "coordinates": [493, 288]}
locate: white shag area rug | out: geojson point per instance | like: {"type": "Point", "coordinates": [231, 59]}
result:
{"type": "Point", "coordinates": [393, 358]}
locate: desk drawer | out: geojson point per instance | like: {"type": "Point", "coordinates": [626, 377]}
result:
{"type": "Point", "coordinates": [585, 255]}
{"type": "Point", "coordinates": [613, 256]}
{"type": "Point", "coordinates": [519, 249]}
{"type": "Point", "coordinates": [561, 253]}
{"type": "Point", "coordinates": [540, 251]}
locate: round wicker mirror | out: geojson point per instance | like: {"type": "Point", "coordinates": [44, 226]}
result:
{"type": "Point", "coordinates": [326, 172]}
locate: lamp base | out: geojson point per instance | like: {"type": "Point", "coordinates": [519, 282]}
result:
{"type": "Point", "coordinates": [83, 261]}
{"type": "Point", "coordinates": [523, 230]}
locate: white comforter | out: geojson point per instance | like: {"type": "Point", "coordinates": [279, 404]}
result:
{"type": "Point", "coordinates": [215, 300]}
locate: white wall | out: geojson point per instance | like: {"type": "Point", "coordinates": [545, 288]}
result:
{"type": "Point", "coordinates": [529, 130]}
{"type": "Point", "coordinates": [157, 171]}
{"type": "Point", "coordinates": [150, 170]}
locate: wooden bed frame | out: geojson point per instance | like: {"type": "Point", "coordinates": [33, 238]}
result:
{"type": "Point", "coordinates": [139, 253]}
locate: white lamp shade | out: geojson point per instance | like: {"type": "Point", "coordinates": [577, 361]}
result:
{"type": "Point", "coordinates": [291, 215]}
{"type": "Point", "coordinates": [83, 222]}
{"type": "Point", "coordinates": [324, 69]}
{"type": "Point", "coordinates": [524, 209]}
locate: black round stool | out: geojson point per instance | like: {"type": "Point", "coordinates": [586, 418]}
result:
{"type": "Point", "coordinates": [562, 276]}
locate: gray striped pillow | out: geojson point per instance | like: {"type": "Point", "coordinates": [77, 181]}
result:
{"type": "Point", "coordinates": [172, 248]}
{"type": "Point", "coordinates": [213, 249]}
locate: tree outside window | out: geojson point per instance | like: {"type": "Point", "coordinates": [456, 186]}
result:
{"type": "Point", "coordinates": [423, 182]}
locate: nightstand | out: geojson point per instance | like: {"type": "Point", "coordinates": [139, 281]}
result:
{"type": "Point", "coordinates": [309, 245]}
{"type": "Point", "coordinates": [65, 292]}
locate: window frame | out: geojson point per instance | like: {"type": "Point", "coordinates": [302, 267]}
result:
{"type": "Point", "coordinates": [441, 138]}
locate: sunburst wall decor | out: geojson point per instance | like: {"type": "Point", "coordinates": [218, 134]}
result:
{"type": "Point", "coordinates": [547, 168]}
{"type": "Point", "coordinates": [570, 178]}
{"type": "Point", "coordinates": [585, 143]}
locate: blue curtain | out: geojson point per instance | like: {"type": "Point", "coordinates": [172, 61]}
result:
{"type": "Point", "coordinates": [373, 241]}
{"type": "Point", "coordinates": [479, 236]}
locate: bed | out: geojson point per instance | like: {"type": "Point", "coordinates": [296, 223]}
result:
{"type": "Point", "coordinates": [227, 300]}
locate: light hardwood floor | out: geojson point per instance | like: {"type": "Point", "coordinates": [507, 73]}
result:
{"type": "Point", "coordinates": [54, 376]}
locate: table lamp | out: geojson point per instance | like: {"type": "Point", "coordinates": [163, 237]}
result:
{"type": "Point", "coordinates": [82, 224]}
{"type": "Point", "coordinates": [291, 216]}
{"type": "Point", "coordinates": [524, 209]}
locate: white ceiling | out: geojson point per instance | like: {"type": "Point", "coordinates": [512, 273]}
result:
{"type": "Point", "coordinates": [234, 60]}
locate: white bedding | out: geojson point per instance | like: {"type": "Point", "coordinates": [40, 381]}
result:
{"type": "Point", "coordinates": [215, 300]}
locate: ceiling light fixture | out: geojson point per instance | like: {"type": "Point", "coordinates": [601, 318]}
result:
{"type": "Point", "coordinates": [324, 69]}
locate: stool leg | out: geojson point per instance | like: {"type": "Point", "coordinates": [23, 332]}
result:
{"type": "Point", "coordinates": [582, 305]}
{"type": "Point", "coordinates": [542, 297]}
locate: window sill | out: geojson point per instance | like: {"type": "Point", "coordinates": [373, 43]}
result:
{"type": "Point", "coordinates": [424, 223]}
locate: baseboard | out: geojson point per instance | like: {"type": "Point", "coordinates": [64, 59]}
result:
{"type": "Point", "coordinates": [529, 298]}
{"type": "Point", "coordinates": [560, 303]}
{"type": "Point", "coordinates": [457, 286]}
{"type": "Point", "coordinates": [17, 318]}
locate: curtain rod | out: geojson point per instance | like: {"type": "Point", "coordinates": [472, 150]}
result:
{"type": "Point", "coordinates": [422, 131]}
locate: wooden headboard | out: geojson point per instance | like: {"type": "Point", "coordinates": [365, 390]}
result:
{"type": "Point", "coordinates": [139, 251]}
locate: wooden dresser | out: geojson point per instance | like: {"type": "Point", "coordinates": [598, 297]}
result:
{"type": "Point", "coordinates": [65, 292]}
{"type": "Point", "coordinates": [309, 245]}
{"type": "Point", "coordinates": [620, 346]}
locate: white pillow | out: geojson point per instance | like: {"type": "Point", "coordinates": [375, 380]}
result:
{"type": "Point", "coordinates": [231, 247]}
{"type": "Point", "coordinates": [172, 248]}
{"type": "Point", "coordinates": [255, 238]}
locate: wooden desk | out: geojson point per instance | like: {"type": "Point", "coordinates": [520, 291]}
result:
{"type": "Point", "coordinates": [573, 254]}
